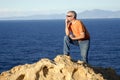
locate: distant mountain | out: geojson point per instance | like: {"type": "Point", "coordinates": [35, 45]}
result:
{"type": "Point", "coordinates": [36, 17]}
{"type": "Point", "coordinates": [96, 13]}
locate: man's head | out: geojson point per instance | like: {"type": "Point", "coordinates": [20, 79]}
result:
{"type": "Point", "coordinates": [71, 15]}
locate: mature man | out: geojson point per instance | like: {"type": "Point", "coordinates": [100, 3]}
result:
{"type": "Point", "coordinates": [76, 34]}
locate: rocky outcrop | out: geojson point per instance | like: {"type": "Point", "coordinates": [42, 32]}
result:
{"type": "Point", "coordinates": [61, 68]}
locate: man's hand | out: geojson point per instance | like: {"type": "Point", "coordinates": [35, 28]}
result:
{"type": "Point", "coordinates": [71, 36]}
{"type": "Point", "coordinates": [67, 22]}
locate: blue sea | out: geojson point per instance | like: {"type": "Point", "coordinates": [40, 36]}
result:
{"type": "Point", "coordinates": [27, 41]}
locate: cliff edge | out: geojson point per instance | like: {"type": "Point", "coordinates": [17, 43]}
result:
{"type": "Point", "coordinates": [61, 68]}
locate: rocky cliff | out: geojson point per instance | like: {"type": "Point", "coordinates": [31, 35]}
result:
{"type": "Point", "coordinates": [61, 68]}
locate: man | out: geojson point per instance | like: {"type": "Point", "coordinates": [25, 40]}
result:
{"type": "Point", "coordinates": [76, 34]}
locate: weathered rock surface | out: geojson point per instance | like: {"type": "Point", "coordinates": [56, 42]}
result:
{"type": "Point", "coordinates": [61, 68]}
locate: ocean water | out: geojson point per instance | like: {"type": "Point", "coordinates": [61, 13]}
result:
{"type": "Point", "coordinates": [27, 41]}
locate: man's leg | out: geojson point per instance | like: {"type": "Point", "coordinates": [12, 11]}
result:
{"type": "Point", "coordinates": [66, 47]}
{"type": "Point", "coordinates": [67, 42]}
{"type": "Point", "coordinates": [84, 47]}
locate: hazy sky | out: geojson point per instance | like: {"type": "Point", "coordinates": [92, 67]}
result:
{"type": "Point", "coordinates": [29, 7]}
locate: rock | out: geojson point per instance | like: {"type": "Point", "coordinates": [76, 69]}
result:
{"type": "Point", "coordinates": [61, 68]}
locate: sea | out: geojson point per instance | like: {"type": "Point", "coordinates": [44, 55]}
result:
{"type": "Point", "coordinates": [28, 41]}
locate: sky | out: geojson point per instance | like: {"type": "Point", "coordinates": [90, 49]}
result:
{"type": "Point", "coordinates": [36, 7]}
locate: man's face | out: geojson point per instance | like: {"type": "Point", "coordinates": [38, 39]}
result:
{"type": "Point", "coordinates": [70, 16]}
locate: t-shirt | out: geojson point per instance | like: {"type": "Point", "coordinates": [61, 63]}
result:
{"type": "Point", "coordinates": [77, 28]}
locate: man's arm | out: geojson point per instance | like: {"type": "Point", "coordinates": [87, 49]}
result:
{"type": "Point", "coordinates": [82, 35]}
{"type": "Point", "coordinates": [67, 25]}
{"type": "Point", "coordinates": [67, 30]}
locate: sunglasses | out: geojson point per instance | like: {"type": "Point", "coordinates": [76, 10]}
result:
{"type": "Point", "coordinates": [69, 16]}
